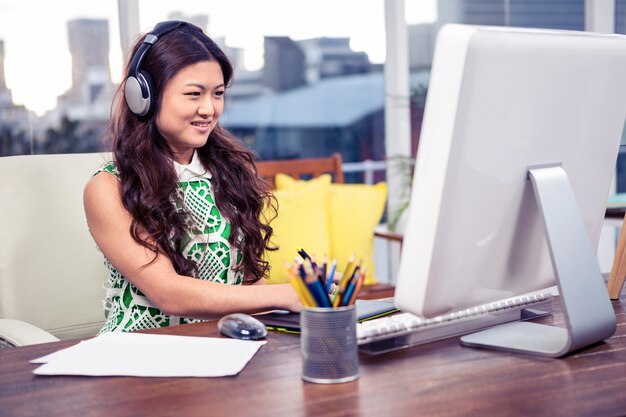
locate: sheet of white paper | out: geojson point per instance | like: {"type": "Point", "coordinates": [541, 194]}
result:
{"type": "Point", "coordinates": [136, 354]}
{"type": "Point", "coordinates": [117, 337]}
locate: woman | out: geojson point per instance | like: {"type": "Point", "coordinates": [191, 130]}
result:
{"type": "Point", "coordinates": [176, 214]}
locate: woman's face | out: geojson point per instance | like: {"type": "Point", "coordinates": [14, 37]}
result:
{"type": "Point", "coordinates": [191, 103]}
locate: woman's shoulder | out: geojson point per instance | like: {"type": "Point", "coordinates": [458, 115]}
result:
{"type": "Point", "coordinates": [102, 191]}
{"type": "Point", "coordinates": [104, 181]}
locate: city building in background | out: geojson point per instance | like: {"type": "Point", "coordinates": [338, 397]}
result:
{"type": "Point", "coordinates": [14, 119]}
{"type": "Point", "coordinates": [312, 97]}
{"type": "Point", "coordinates": [82, 112]}
{"type": "Point", "coordinates": [5, 93]}
{"type": "Point", "coordinates": [284, 64]}
{"type": "Point", "coordinates": [552, 14]}
{"type": "Point", "coordinates": [332, 57]}
{"type": "Point", "coordinates": [89, 47]}
{"type": "Point", "coordinates": [620, 16]}
{"type": "Point", "coordinates": [296, 119]}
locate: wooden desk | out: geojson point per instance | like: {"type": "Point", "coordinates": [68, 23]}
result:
{"type": "Point", "coordinates": [437, 379]}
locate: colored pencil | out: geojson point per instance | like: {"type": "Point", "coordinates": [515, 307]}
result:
{"type": "Point", "coordinates": [303, 253]}
{"type": "Point", "coordinates": [331, 274]}
{"type": "Point", "coordinates": [314, 285]}
{"type": "Point", "coordinates": [303, 293]}
{"type": "Point", "coordinates": [313, 281]}
{"type": "Point", "coordinates": [345, 278]}
{"type": "Point", "coordinates": [359, 284]}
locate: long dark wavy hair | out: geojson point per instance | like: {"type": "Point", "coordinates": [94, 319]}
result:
{"type": "Point", "coordinates": [148, 179]}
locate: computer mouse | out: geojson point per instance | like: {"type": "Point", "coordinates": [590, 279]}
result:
{"type": "Point", "coordinates": [241, 326]}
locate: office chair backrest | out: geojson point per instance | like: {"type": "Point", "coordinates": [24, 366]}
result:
{"type": "Point", "coordinates": [51, 272]}
{"type": "Point", "coordinates": [302, 168]}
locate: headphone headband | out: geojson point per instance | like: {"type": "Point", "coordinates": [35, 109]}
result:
{"type": "Point", "coordinates": [162, 28]}
{"type": "Point", "coordinates": [138, 90]}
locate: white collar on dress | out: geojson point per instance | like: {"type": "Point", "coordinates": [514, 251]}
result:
{"type": "Point", "coordinates": [194, 169]}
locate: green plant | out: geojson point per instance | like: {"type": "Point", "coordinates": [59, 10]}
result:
{"type": "Point", "coordinates": [403, 166]}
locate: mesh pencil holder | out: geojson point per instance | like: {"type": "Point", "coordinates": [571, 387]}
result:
{"type": "Point", "coordinates": [328, 345]}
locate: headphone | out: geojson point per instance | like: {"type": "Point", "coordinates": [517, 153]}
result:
{"type": "Point", "coordinates": [139, 90]}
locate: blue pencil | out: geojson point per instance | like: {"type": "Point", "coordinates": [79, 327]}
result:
{"type": "Point", "coordinates": [347, 294]}
{"type": "Point", "coordinates": [329, 277]}
{"type": "Point", "coordinates": [314, 286]}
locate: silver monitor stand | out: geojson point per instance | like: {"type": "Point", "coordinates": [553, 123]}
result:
{"type": "Point", "coordinates": [587, 310]}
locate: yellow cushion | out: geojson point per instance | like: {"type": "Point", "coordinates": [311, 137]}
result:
{"type": "Point", "coordinates": [354, 210]}
{"type": "Point", "coordinates": [287, 182]}
{"type": "Point", "coordinates": [302, 222]}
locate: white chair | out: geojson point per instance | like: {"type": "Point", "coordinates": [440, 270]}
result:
{"type": "Point", "coordinates": [51, 271]}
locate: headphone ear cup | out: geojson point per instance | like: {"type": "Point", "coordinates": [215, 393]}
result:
{"type": "Point", "coordinates": [139, 93]}
{"type": "Point", "coordinates": [139, 90]}
{"type": "Point", "coordinates": [150, 91]}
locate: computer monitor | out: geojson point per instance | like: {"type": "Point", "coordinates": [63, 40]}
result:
{"type": "Point", "coordinates": [517, 152]}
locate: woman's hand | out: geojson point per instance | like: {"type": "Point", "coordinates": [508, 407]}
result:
{"type": "Point", "coordinates": [292, 301]}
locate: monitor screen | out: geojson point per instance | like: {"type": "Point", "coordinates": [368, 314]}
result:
{"type": "Point", "coordinates": [502, 101]}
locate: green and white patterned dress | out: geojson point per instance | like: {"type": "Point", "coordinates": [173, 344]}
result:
{"type": "Point", "coordinates": [127, 308]}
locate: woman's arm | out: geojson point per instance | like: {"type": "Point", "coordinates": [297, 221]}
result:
{"type": "Point", "coordinates": [109, 223]}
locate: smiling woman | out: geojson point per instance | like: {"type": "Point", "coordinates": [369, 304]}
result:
{"type": "Point", "coordinates": [176, 213]}
{"type": "Point", "coordinates": [192, 102]}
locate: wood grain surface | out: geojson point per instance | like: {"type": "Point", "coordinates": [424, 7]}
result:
{"type": "Point", "coordinates": [436, 379]}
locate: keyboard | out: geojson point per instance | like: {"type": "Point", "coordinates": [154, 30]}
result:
{"type": "Point", "coordinates": [402, 330]}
